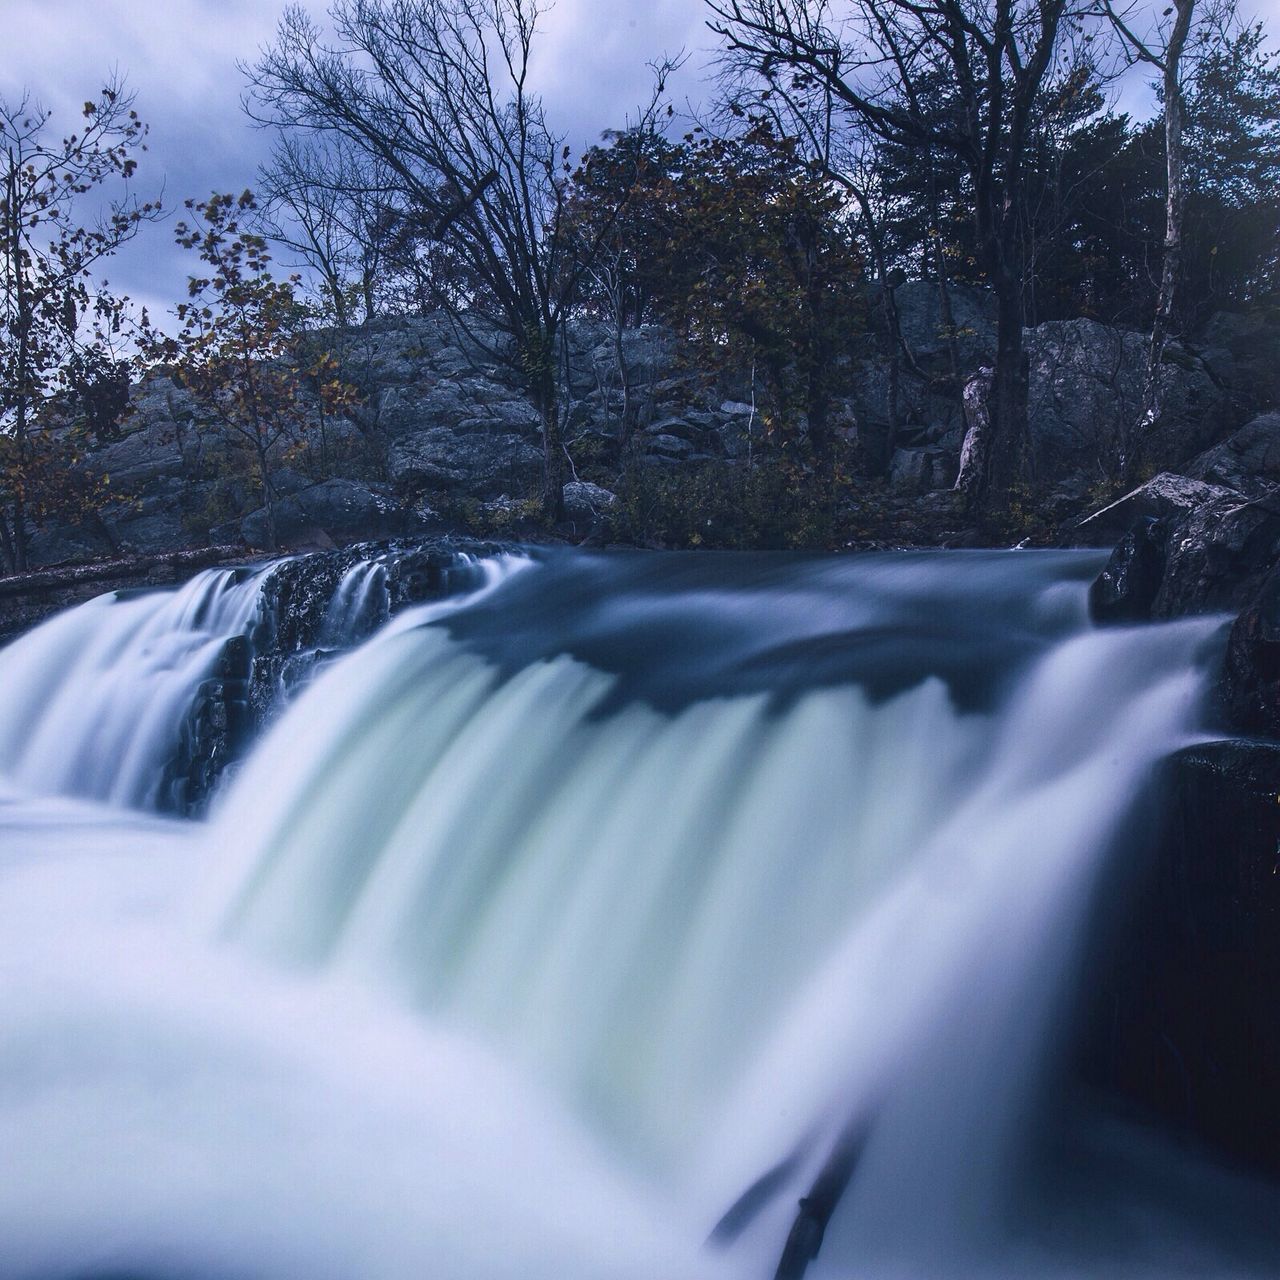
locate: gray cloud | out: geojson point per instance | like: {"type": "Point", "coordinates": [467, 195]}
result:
{"type": "Point", "coordinates": [180, 56]}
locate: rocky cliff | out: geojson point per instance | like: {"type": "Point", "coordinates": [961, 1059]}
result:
{"type": "Point", "coordinates": [439, 427]}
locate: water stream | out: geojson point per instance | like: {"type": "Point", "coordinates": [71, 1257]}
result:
{"type": "Point", "coordinates": [549, 919]}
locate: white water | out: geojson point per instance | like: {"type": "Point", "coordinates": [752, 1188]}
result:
{"type": "Point", "coordinates": [490, 967]}
{"type": "Point", "coordinates": [92, 703]}
{"type": "Point", "coordinates": [358, 605]}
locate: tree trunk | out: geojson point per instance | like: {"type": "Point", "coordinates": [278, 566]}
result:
{"type": "Point", "coordinates": [552, 451]}
{"type": "Point", "coordinates": [22, 372]}
{"type": "Point", "coordinates": [18, 532]}
{"type": "Point", "coordinates": [997, 461]}
{"type": "Point", "coordinates": [977, 436]}
{"type": "Point", "coordinates": [624, 375]}
{"type": "Point", "coordinates": [1171, 269]}
{"type": "Point", "coordinates": [1008, 461]}
{"type": "Point", "coordinates": [7, 555]}
{"type": "Point", "coordinates": [268, 500]}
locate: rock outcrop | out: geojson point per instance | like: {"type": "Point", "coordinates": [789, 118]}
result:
{"type": "Point", "coordinates": [1085, 388]}
{"type": "Point", "coordinates": [1186, 1015]}
{"type": "Point", "coordinates": [1086, 384]}
{"type": "Point", "coordinates": [442, 422]}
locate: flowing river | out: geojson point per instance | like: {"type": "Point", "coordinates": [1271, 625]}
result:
{"type": "Point", "coordinates": [579, 924]}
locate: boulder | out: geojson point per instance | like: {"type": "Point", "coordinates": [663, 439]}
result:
{"type": "Point", "coordinates": [1167, 496]}
{"type": "Point", "coordinates": [340, 508]}
{"type": "Point", "coordinates": [588, 504]}
{"type": "Point", "coordinates": [1086, 382]}
{"type": "Point", "coordinates": [1239, 349]}
{"type": "Point", "coordinates": [922, 470]}
{"type": "Point", "coordinates": [1213, 545]}
{"type": "Point", "coordinates": [1248, 460]}
{"type": "Point", "coordinates": [478, 464]}
{"type": "Point", "coordinates": [666, 445]}
{"type": "Point", "coordinates": [1216, 556]}
{"type": "Point", "coordinates": [1187, 1016]}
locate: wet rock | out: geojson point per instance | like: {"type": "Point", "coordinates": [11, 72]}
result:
{"type": "Point", "coordinates": [1248, 460]}
{"type": "Point", "coordinates": [1167, 497]}
{"type": "Point", "coordinates": [256, 675]}
{"type": "Point", "coordinates": [1126, 589]}
{"type": "Point", "coordinates": [1251, 672]}
{"type": "Point", "coordinates": [1217, 555]}
{"type": "Point", "coordinates": [1212, 546]}
{"type": "Point", "coordinates": [1188, 1024]}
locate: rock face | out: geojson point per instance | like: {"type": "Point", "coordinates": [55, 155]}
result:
{"type": "Point", "coordinates": [443, 424]}
{"type": "Point", "coordinates": [1086, 385]}
{"type": "Point", "coordinates": [1240, 351]}
{"type": "Point", "coordinates": [1251, 672]}
{"type": "Point", "coordinates": [337, 509]}
{"type": "Point", "coordinates": [1186, 1023]}
{"type": "Point", "coordinates": [1213, 545]}
{"type": "Point", "coordinates": [1248, 460]}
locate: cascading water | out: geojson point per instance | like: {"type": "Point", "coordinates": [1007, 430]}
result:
{"type": "Point", "coordinates": [542, 926]}
{"type": "Point", "coordinates": [92, 703]}
{"type": "Point", "coordinates": [358, 605]}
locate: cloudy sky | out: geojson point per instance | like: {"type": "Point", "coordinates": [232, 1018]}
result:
{"type": "Point", "coordinates": [180, 57]}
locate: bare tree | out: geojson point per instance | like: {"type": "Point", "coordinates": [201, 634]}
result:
{"type": "Point", "coordinates": [878, 59]}
{"type": "Point", "coordinates": [327, 202]}
{"type": "Point", "coordinates": [1162, 49]}
{"type": "Point", "coordinates": [438, 92]}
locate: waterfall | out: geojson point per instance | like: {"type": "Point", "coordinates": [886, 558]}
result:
{"type": "Point", "coordinates": [98, 703]}
{"type": "Point", "coordinates": [93, 702]}
{"type": "Point", "coordinates": [358, 605]}
{"type": "Point", "coordinates": [560, 913]}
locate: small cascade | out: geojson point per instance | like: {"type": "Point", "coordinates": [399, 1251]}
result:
{"type": "Point", "coordinates": [93, 703]}
{"type": "Point", "coordinates": [142, 698]}
{"type": "Point", "coordinates": [358, 607]}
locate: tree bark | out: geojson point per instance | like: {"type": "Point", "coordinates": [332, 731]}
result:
{"type": "Point", "coordinates": [552, 449]}
{"type": "Point", "coordinates": [1007, 462]}
{"type": "Point", "coordinates": [7, 556]}
{"type": "Point", "coordinates": [22, 371]}
{"type": "Point", "coordinates": [977, 436]}
{"type": "Point", "coordinates": [1171, 268]}
{"type": "Point", "coordinates": [268, 499]}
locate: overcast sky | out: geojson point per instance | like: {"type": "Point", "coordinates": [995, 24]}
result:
{"type": "Point", "coordinates": [180, 57]}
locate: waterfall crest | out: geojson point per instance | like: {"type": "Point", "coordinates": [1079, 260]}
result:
{"type": "Point", "coordinates": [92, 703]}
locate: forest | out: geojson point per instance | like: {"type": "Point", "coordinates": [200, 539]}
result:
{"type": "Point", "coordinates": [843, 156]}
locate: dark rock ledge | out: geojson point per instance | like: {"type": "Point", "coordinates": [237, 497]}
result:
{"type": "Point", "coordinates": [1186, 1022]}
